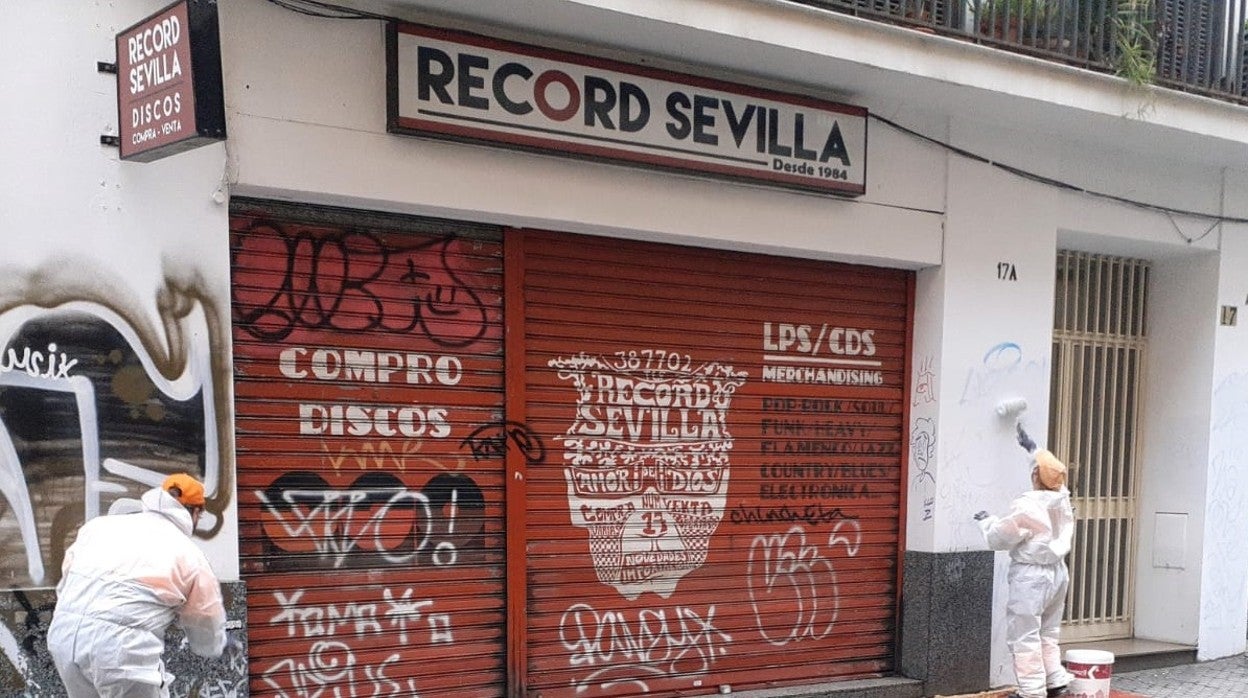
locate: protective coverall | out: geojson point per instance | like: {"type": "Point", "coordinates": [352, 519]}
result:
{"type": "Point", "coordinates": [1037, 532]}
{"type": "Point", "coordinates": [124, 580]}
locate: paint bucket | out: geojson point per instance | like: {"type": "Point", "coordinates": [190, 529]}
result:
{"type": "Point", "coordinates": [1092, 670]}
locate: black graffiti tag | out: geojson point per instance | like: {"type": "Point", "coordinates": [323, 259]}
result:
{"type": "Point", "coordinates": [351, 281]}
{"type": "Point", "coordinates": [812, 514]}
{"type": "Point", "coordinates": [373, 521]}
{"type": "Point", "coordinates": [491, 441]}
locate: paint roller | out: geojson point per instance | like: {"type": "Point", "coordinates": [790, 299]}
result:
{"type": "Point", "coordinates": [1013, 408]}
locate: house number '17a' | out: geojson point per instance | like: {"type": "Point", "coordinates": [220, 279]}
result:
{"type": "Point", "coordinates": [1006, 271]}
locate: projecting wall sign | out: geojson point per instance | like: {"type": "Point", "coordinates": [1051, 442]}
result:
{"type": "Point", "coordinates": [169, 90]}
{"type": "Point", "coordinates": [462, 86]}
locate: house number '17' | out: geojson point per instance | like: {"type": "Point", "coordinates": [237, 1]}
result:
{"type": "Point", "coordinates": [1006, 271]}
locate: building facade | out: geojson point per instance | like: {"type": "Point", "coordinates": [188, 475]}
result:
{"type": "Point", "coordinates": [613, 347]}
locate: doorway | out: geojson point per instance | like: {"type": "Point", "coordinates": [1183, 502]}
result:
{"type": "Point", "coordinates": [1099, 350]}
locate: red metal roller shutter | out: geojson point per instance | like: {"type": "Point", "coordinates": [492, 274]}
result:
{"type": "Point", "coordinates": [367, 348]}
{"type": "Point", "coordinates": [720, 501]}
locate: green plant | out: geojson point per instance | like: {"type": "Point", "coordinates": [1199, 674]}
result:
{"type": "Point", "coordinates": [1136, 58]}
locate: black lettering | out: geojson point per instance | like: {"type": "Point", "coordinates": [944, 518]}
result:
{"type": "Point", "coordinates": [505, 71]}
{"type": "Point", "coordinates": [835, 147]}
{"type": "Point", "coordinates": [599, 101]}
{"type": "Point", "coordinates": [799, 135]}
{"type": "Point", "coordinates": [774, 146]}
{"type": "Point", "coordinates": [738, 127]}
{"type": "Point", "coordinates": [427, 80]}
{"type": "Point", "coordinates": [702, 120]}
{"type": "Point", "coordinates": [468, 81]}
{"type": "Point", "coordinates": [633, 96]}
{"type": "Point", "coordinates": [679, 127]}
{"type": "Point", "coordinates": [760, 143]}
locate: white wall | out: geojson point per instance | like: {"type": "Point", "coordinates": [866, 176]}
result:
{"type": "Point", "coordinates": [1174, 446]}
{"type": "Point", "coordinates": [1224, 583]}
{"type": "Point", "coordinates": [994, 216]}
{"type": "Point", "coordinates": [987, 340]}
{"type": "Point", "coordinates": [997, 343]}
{"type": "Point", "coordinates": [307, 117]}
{"type": "Point", "coordinates": [63, 193]}
{"type": "Point", "coordinates": [926, 387]}
{"type": "Point", "coordinates": [78, 225]}
{"type": "Point", "coordinates": [995, 347]}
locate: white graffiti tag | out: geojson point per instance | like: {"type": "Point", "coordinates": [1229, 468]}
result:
{"type": "Point", "coordinates": [334, 522]}
{"type": "Point", "coordinates": [655, 644]}
{"type": "Point", "coordinates": [324, 621]}
{"type": "Point", "coordinates": [331, 668]}
{"type": "Point", "coordinates": [793, 587]}
{"type": "Point", "coordinates": [360, 619]}
{"type": "Point", "coordinates": [402, 610]}
{"type": "Point", "coordinates": [36, 364]}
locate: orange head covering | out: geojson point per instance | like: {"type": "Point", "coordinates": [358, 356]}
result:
{"type": "Point", "coordinates": [192, 491]}
{"type": "Point", "coordinates": [1050, 472]}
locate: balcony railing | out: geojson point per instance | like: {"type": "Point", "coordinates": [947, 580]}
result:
{"type": "Point", "coordinates": [1192, 45]}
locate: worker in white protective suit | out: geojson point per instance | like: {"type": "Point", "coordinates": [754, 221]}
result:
{"type": "Point", "coordinates": [1037, 532]}
{"type": "Point", "coordinates": [124, 580]}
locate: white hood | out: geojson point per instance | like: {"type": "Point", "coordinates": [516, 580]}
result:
{"type": "Point", "coordinates": [161, 502]}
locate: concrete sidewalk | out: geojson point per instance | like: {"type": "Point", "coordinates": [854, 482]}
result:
{"type": "Point", "coordinates": [1002, 692]}
{"type": "Point", "coordinates": [1221, 678]}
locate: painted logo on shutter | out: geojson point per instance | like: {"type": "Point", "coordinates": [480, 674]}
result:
{"type": "Point", "coordinates": [647, 463]}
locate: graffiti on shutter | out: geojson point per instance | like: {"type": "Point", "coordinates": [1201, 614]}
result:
{"type": "Point", "coordinates": [368, 351]}
{"type": "Point", "coordinates": [720, 507]}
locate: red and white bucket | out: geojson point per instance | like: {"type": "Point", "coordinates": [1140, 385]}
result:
{"type": "Point", "coordinates": [1092, 670]}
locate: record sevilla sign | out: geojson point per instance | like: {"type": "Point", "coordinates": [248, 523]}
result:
{"type": "Point", "coordinates": [462, 86]}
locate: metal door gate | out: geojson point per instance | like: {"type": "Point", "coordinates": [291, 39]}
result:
{"type": "Point", "coordinates": [1099, 340]}
{"type": "Point", "coordinates": [368, 389]}
{"type": "Point", "coordinates": [718, 507]}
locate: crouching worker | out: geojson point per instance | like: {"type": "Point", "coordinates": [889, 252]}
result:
{"type": "Point", "coordinates": [123, 581]}
{"type": "Point", "coordinates": [1037, 532]}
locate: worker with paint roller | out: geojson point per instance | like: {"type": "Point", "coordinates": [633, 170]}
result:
{"type": "Point", "coordinates": [1037, 532]}
{"type": "Point", "coordinates": [125, 579]}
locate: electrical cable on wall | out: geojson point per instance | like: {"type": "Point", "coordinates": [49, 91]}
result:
{"type": "Point", "coordinates": [327, 10]}
{"type": "Point", "coordinates": [1198, 238]}
{"type": "Point", "coordinates": [1049, 181]}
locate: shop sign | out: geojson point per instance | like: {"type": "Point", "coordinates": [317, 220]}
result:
{"type": "Point", "coordinates": [169, 94]}
{"type": "Point", "coordinates": [461, 86]}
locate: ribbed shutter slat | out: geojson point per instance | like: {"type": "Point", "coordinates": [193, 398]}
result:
{"type": "Point", "coordinates": [367, 349]}
{"type": "Point", "coordinates": [710, 513]}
